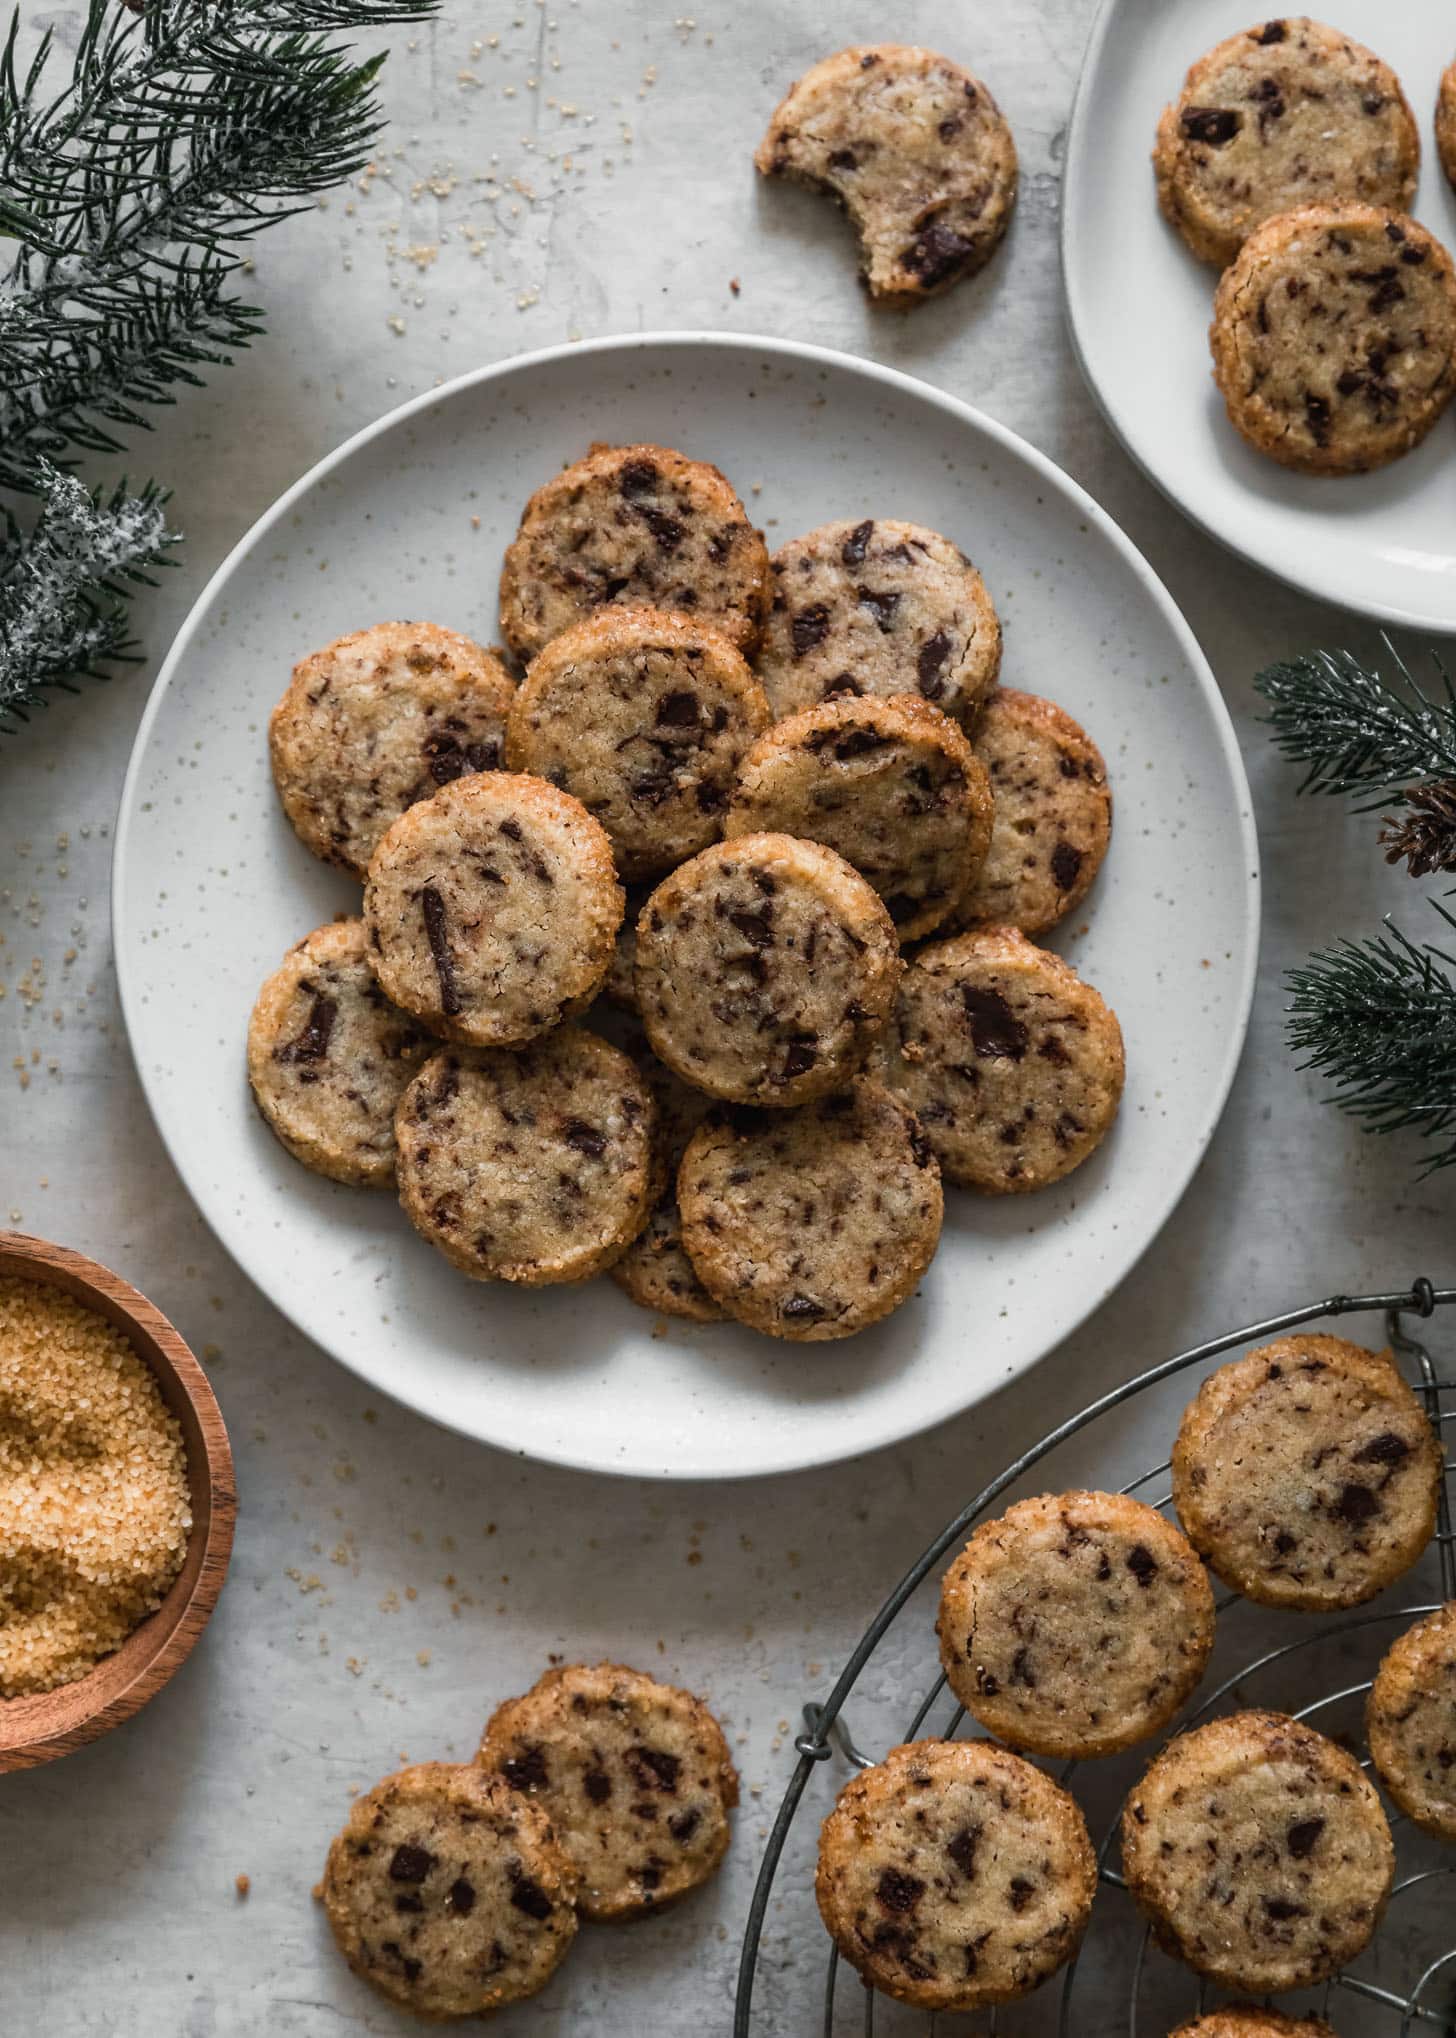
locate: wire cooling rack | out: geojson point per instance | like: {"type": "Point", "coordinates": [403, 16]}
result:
{"type": "Point", "coordinates": [1318, 1669]}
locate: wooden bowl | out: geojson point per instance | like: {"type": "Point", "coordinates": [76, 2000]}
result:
{"type": "Point", "coordinates": [38, 1728]}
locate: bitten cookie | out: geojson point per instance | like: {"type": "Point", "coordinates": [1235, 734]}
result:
{"type": "Point", "coordinates": [878, 607]}
{"type": "Point", "coordinates": [1076, 1624]}
{"type": "Point", "coordinates": [1053, 815]}
{"type": "Point", "coordinates": [493, 908]}
{"type": "Point", "coordinates": [1411, 1722]}
{"type": "Point", "coordinates": [1253, 2022]}
{"type": "Point", "coordinates": [655, 1269]}
{"type": "Point", "coordinates": [1287, 113]}
{"type": "Point", "coordinates": [535, 1166]}
{"type": "Point", "coordinates": [1307, 1474]}
{"type": "Point", "coordinates": [891, 783]}
{"type": "Point", "coordinates": [1011, 1063]}
{"type": "Point", "coordinates": [643, 717]}
{"type": "Point", "coordinates": [1259, 1852]}
{"type": "Point", "coordinates": [814, 1224]}
{"type": "Point", "coordinates": [1334, 337]}
{"type": "Point", "coordinates": [633, 1774]}
{"type": "Point", "coordinates": [954, 1875]}
{"type": "Point", "coordinates": [449, 1894]}
{"type": "Point", "coordinates": [765, 968]}
{"type": "Point", "coordinates": [329, 1057]}
{"type": "Point", "coordinates": [1446, 122]}
{"type": "Point", "coordinates": [376, 721]}
{"type": "Point", "coordinates": [641, 526]}
{"type": "Point", "coordinates": [916, 151]}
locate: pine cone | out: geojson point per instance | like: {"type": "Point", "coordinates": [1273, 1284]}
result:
{"type": "Point", "coordinates": [1425, 836]}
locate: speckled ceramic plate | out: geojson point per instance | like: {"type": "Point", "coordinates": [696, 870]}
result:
{"type": "Point", "coordinates": [410, 518]}
{"type": "Point", "coordinates": [1139, 304]}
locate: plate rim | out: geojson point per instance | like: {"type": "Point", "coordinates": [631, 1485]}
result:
{"type": "Point", "coordinates": [1388, 613]}
{"type": "Point", "coordinates": [751, 346]}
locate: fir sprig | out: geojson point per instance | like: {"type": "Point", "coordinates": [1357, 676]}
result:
{"type": "Point", "coordinates": [1358, 732]}
{"type": "Point", "coordinates": [127, 197]}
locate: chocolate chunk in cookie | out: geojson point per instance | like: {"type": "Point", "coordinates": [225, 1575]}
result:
{"type": "Point", "coordinates": [449, 1894]}
{"type": "Point", "coordinates": [1285, 114]}
{"type": "Point", "coordinates": [1012, 1064]}
{"type": "Point", "coordinates": [377, 721]}
{"type": "Point", "coordinates": [1411, 1722]}
{"type": "Point", "coordinates": [765, 969]}
{"type": "Point", "coordinates": [1334, 337]}
{"type": "Point", "coordinates": [535, 1166]}
{"type": "Point", "coordinates": [953, 1875]}
{"type": "Point", "coordinates": [643, 716]}
{"type": "Point", "coordinates": [878, 606]}
{"type": "Point", "coordinates": [493, 909]}
{"type": "Point", "coordinates": [641, 527]}
{"type": "Point", "coordinates": [1053, 815]}
{"type": "Point", "coordinates": [811, 1224]}
{"type": "Point", "coordinates": [890, 783]}
{"type": "Point", "coordinates": [1259, 1852]}
{"type": "Point", "coordinates": [329, 1057]}
{"type": "Point", "coordinates": [1307, 1474]}
{"type": "Point", "coordinates": [634, 1775]}
{"type": "Point", "coordinates": [916, 151]}
{"type": "Point", "coordinates": [1076, 1624]}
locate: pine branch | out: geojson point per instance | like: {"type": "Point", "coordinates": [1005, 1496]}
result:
{"type": "Point", "coordinates": [1358, 732]}
{"type": "Point", "coordinates": [1378, 1017]}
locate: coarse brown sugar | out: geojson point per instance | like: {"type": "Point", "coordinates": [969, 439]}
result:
{"type": "Point", "coordinates": [94, 1502]}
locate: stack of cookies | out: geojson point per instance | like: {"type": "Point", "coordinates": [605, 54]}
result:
{"type": "Point", "coordinates": [1289, 159]}
{"type": "Point", "coordinates": [601, 1793]}
{"type": "Point", "coordinates": [772, 827]}
{"type": "Point", "coordinates": [955, 1874]}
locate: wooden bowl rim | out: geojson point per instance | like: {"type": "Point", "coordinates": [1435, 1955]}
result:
{"type": "Point", "coordinates": [25, 1256]}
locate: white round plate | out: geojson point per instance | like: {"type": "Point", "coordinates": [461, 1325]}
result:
{"type": "Point", "coordinates": [1140, 304]}
{"type": "Point", "coordinates": [410, 518]}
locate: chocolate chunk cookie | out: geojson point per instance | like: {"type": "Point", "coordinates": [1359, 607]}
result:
{"type": "Point", "coordinates": [1307, 1474]}
{"type": "Point", "coordinates": [916, 151]}
{"type": "Point", "coordinates": [1411, 1722]}
{"type": "Point", "coordinates": [1446, 122]}
{"type": "Point", "coordinates": [634, 1776]}
{"type": "Point", "coordinates": [814, 1224]}
{"type": "Point", "coordinates": [1250, 2021]}
{"type": "Point", "coordinates": [878, 607]}
{"type": "Point", "coordinates": [954, 1874]}
{"type": "Point", "coordinates": [329, 1057]}
{"type": "Point", "coordinates": [1285, 114]}
{"type": "Point", "coordinates": [448, 1893]}
{"type": "Point", "coordinates": [640, 526]}
{"type": "Point", "coordinates": [535, 1166]}
{"type": "Point", "coordinates": [1012, 1064]}
{"type": "Point", "coordinates": [891, 783]}
{"type": "Point", "coordinates": [1053, 815]}
{"type": "Point", "coordinates": [1259, 1852]}
{"type": "Point", "coordinates": [655, 1270]}
{"type": "Point", "coordinates": [765, 968]}
{"type": "Point", "coordinates": [1334, 337]}
{"type": "Point", "coordinates": [492, 909]}
{"type": "Point", "coordinates": [1075, 1625]}
{"type": "Point", "coordinates": [376, 721]}
{"type": "Point", "coordinates": [642, 716]}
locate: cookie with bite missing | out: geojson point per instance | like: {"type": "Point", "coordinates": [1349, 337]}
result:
{"type": "Point", "coordinates": [1334, 337]}
{"type": "Point", "coordinates": [1259, 1852]}
{"type": "Point", "coordinates": [1012, 1064]}
{"type": "Point", "coordinates": [1307, 1473]}
{"type": "Point", "coordinates": [890, 783]}
{"type": "Point", "coordinates": [377, 721]}
{"type": "Point", "coordinates": [915, 150]}
{"type": "Point", "coordinates": [329, 1057]}
{"type": "Point", "coordinates": [1410, 1722]}
{"type": "Point", "coordinates": [636, 527]}
{"type": "Point", "coordinates": [1285, 114]}
{"type": "Point", "coordinates": [448, 1893]}
{"type": "Point", "coordinates": [634, 1776]}
{"type": "Point", "coordinates": [954, 1875]}
{"type": "Point", "coordinates": [643, 717]}
{"type": "Point", "coordinates": [1076, 1624]}
{"type": "Point", "coordinates": [877, 606]}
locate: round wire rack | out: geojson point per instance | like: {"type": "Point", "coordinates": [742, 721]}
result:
{"type": "Point", "coordinates": [1121, 1981]}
